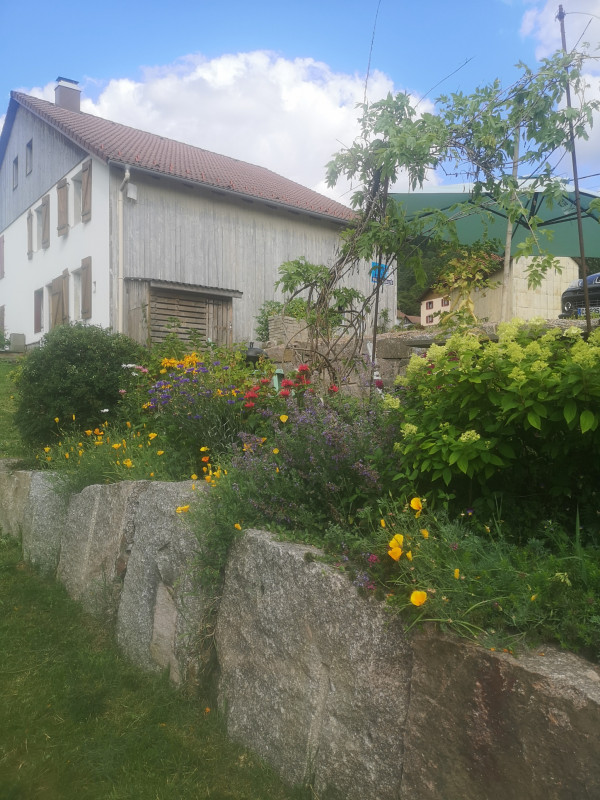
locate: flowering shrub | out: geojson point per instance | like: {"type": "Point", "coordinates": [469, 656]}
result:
{"type": "Point", "coordinates": [75, 374]}
{"type": "Point", "coordinates": [518, 417]}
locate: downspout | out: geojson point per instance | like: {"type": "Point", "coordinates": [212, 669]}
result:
{"type": "Point", "coordinates": [121, 261]}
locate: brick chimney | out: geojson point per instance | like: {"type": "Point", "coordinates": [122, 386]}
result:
{"type": "Point", "coordinates": [67, 94]}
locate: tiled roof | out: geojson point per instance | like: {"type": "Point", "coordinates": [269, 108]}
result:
{"type": "Point", "coordinates": [114, 142]}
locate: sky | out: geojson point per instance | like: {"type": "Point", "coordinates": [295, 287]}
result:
{"type": "Point", "coordinates": [277, 84]}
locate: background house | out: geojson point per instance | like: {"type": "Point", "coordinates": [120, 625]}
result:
{"type": "Point", "coordinates": [121, 228]}
{"type": "Point", "coordinates": [524, 302]}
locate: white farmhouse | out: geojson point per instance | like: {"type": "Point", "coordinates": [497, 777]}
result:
{"type": "Point", "coordinates": [125, 229]}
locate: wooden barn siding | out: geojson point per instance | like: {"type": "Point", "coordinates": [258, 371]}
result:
{"type": "Point", "coordinates": [198, 237]}
{"type": "Point", "coordinates": [137, 302]}
{"type": "Point", "coordinates": [53, 157]}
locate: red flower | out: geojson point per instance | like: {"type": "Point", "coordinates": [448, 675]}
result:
{"type": "Point", "coordinates": [284, 393]}
{"type": "Point", "coordinates": [379, 383]}
{"type": "Point", "coordinates": [333, 388]}
{"type": "Point", "coordinates": [265, 381]}
{"type": "Point", "coordinates": [248, 405]}
{"type": "Point", "coordinates": [251, 395]}
{"type": "Point", "coordinates": [303, 368]}
{"type": "Point", "coordinates": [286, 382]}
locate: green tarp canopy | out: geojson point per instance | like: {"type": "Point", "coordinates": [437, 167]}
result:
{"type": "Point", "coordinates": [560, 218]}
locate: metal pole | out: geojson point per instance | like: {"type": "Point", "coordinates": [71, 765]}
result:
{"type": "Point", "coordinates": [561, 18]}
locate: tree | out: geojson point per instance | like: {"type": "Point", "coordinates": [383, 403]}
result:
{"type": "Point", "coordinates": [475, 138]}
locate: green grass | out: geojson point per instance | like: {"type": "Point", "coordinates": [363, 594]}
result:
{"type": "Point", "coordinates": [10, 442]}
{"type": "Point", "coordinates": [80, 723]}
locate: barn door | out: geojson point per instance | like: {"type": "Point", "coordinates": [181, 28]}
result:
{"type": "Point", "coordinates": [185, 313]}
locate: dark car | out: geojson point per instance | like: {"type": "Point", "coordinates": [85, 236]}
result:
{"type": "Point", "coordinates": [572, 302]}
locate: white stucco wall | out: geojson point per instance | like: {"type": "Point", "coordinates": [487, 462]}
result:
{"type": "Point", "coordinates": [23, 276]}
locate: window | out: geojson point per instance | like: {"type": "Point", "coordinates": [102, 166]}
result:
{"type": "Point", "coordinates": [429, 304]}
{"type": "Point", "coordinates": [62, 193]}
{"type": "Point", "coordinates": [28, 157]}
{"type": "Point", "coordinates": [16, 172]}
{"type": "Point", "coordinates": [38, 311]}
{"type": "Point", "coordinates": [82, 194]}
{"type": "Point", "coordinates": [429, 319]}
{"type": "Point", "coordinates": [445, 301]}
{"type": "Point", "coordinates": [82, 290]}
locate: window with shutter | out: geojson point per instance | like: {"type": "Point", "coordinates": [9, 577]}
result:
{"type": "Point", "coordinates": [62, 192]}
{"type": "Point", "coordinates": [86, 288]}
{"type": "Point", "coordinates": [38, 310]}
{"type": "Point", "coordinates": [16, 172]}
{"type": "Point", "coordinates": [86, 191]}
{"type": "Point", "coordinates": [45, 221]}
{"type": "Point", "coordinates": [30, 234]}
{"type": "Point", "coordinates": [1, 256]}
{"type": "Point", "coordinates": [29, 157]}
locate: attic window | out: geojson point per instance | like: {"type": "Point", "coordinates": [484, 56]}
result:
{"type": "Point", "coordinates": [16, 172]}
{"type": "Point", "coordinates": [28, 157]}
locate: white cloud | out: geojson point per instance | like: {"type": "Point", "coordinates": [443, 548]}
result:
{"type": "Point", "coordinates": [288, 116]}
{"type": "Point", "coordinates": [581, 26]}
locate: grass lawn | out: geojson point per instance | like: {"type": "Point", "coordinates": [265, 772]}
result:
{"type": "Point", "coordinates": [10, 443]}
{"type": "Point", "coordinates": [79, 723]}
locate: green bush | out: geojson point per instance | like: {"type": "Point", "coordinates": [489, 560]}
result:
{"type": "Point", "coordinates": [292, 308]}
{"type": "Point", "coordinates": [517, 418]}
{"type": "Point", "coordinates": [68, 382]}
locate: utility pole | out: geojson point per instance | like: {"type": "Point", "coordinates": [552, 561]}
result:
{"type": "Point", "coordinates": [588, 321]}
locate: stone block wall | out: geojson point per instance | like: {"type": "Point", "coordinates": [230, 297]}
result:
{"type": "Point", "coordinates": [320, 682]}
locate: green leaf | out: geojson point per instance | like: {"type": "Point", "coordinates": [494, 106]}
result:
{"type": "Point", "coordinates": [570, 411]}
{"type": "Point", "coordinates": [534, 420]}
{"type": "Point", "coordinates": [463, 463]}
{"type": "Point", "coordinates": [587, 420]}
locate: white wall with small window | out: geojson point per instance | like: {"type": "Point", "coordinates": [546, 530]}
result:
{"type": "Point", "coordinates": [49, 276]}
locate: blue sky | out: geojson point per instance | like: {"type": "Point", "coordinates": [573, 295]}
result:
{"type": "Point", "coordinates": [275, 83]}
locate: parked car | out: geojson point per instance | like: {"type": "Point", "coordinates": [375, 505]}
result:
{"type": "Point", "coordinates": [572, 302]}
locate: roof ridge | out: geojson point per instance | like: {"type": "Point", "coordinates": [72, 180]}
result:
{"type": "Point", "coordinates": [116, 142]}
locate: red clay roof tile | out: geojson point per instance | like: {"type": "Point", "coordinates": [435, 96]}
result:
{"type": "Point", "coordinates": [111, 141]}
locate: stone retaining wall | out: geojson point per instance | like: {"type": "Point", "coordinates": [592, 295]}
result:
{"type": "Point", "coordinates": [320, 682]}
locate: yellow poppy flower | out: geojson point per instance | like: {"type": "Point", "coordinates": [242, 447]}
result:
{"type": "Point", "coordinates": [159, 452]}
{"type": "Point", "coordinates": [456, 574]}
{"type": "Point", "coordinates": [152, 436]}
{"type": "Point", "coordinates": [182, 509]}
{"type": "Point", "coordinates": [283, 418]}
{"type": "Point", "coordinates": [237, 526]}
{"type": "Point", "coordinates": [397, 541]}
{"type": "Point", "coordinates": [382, 523]}
{"type": "Point", "coordinates": [417, 598]}
{"type": "Point", "coordinates": [395, 553]}
{"type": "Point", "coordinates": [417, 506]}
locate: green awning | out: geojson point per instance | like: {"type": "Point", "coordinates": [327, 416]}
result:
{"type": "Point", "coordinates": [560, 218]}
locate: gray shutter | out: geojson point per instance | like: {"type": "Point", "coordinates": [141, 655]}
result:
{"type": "Point", "coordinates": [86, 191]}
{"type": "Point", "coordinates": [65, 296]}
{"type": "Point", "coordinates": [30, 234]}
{"type": "Point", "coordinates": [1, 256]}
{"type": "Point", "coordinates": [46, 221]}
{"type": "Point", "coordinates": [62, 192]}
{"type": "Point", "coordinates": [38, 300]}
{"type": "Point", "coordinates": [86, 287]}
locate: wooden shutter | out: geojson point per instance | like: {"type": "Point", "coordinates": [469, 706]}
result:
{"type": "Point", "coordinates": [30, 234]}
{"type": "Point", "coordinates": [86, 191]}
{"type": "Point", "coordinates": [46, 221]}
{"type": "Point", "coordinates": [62, 191]}
{"type": "Point", "coordinates": [59, 300]}
{"type": "Point", "coordinates": [86, 287]}
{"type": "Point", "coordinates": [1, 256]}
{"type": "Point", "coordinates": [38, 307]}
